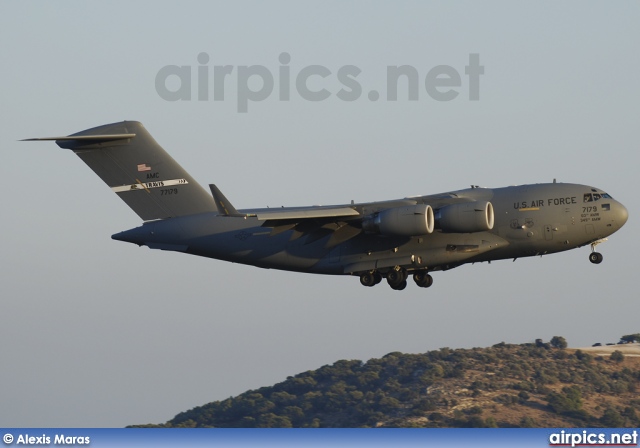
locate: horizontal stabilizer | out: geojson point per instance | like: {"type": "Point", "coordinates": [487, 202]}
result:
{"type": "Point", "coordinates": [85, 138]}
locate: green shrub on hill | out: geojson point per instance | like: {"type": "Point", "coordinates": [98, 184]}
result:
{"type": "Point", "coordinates": [441, 388]}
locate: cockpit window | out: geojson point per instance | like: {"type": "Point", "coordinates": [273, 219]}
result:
{"type": "Point", "coordinates": [589, 197]}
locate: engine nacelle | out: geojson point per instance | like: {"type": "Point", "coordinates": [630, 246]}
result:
{"type": "Point", "coordinates": [466, 217]}
{"type": "Point", "coordinates": [410, 220]}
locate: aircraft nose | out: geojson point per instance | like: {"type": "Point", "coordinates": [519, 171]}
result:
{"type": "Point", "coordinates": [621, 214]}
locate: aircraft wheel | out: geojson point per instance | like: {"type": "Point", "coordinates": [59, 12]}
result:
{"type": "Point", "coordinates": [428, 281]}
{"type": "Point", "coordinates": [396, 277]}
{"type": "Point", "coordinates": [595, 257]}
{"type": "Point", "coordinates": [377, 278]}
{"type": "Point", "coordinates": [423, 279]}
{"type": "Point", "coordinates": [368, 279]}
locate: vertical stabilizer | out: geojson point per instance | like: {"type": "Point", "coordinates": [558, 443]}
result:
{"type": "Point", "coordinates": [136, 168]}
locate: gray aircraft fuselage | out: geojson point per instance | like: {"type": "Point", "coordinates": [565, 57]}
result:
{"type": "Point", "coordinates": [376, 240]}
{"type": "Point", "coordinates": [529, 220]}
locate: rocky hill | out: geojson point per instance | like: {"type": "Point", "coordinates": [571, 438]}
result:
{"type": "Point", "coordinates": [527, 385]}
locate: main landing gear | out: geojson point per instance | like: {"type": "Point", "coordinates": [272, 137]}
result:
{"type": "Point", "coordinates": [370, 278]}
{"type": "Point", "coordinates": [596, 257]}
{"type": "Point", "coordinates": [397, 278]}
{"type": "Point", "coordinates": [422, 279]}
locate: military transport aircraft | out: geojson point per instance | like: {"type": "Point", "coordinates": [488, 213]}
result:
{"type": "Point", "coordinates": [390, 239]}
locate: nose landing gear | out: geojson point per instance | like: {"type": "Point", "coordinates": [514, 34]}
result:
{"type": "Point", "coordinates": [596, 257]}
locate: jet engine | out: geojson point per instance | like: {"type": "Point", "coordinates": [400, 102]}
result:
{"type": "Point", "coordinates": [410, 220]}
{"type": "Point", "coordinates": [466, 217]}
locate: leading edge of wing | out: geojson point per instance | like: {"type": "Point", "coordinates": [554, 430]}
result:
{"type": "Point", "coordinates": [290, 213]}
{"type": "Point", "coordinates": [306, 213]}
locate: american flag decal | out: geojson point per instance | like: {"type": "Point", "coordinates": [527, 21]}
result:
{"type": "Point", "coordinates": [606, 207]}
{"type": "Point", "coordinates": [144, 167]}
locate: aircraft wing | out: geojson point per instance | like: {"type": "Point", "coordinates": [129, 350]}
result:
{"type": "Point", "coordinates": [306, 213]}
{"type": "Point", "coordinates": [401, 218]}
{"type": "Point", "coordinates": [443, 199]}
{"type": "Point", "coordinates": [313, 223]}
{"type": "Point", "coordinates": [339, 212]}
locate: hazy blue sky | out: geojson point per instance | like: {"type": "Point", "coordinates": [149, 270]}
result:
{"type": "Point", "coordinates": [102, 333]}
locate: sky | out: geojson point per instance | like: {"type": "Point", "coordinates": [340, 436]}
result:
{"type": "Point", "coordinates": [100, 333]}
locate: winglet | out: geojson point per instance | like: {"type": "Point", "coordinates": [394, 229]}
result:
{"type": "Point", "coordinates": [223, 204]}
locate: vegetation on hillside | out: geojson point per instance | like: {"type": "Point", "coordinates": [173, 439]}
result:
{"type": "Point", "coordinates": [629, 338]}
{"type": "Point", "coordinates": [528, 385]}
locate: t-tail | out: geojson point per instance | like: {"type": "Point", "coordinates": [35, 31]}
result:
{"type": "Point", "coordinates": [136, 168]}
